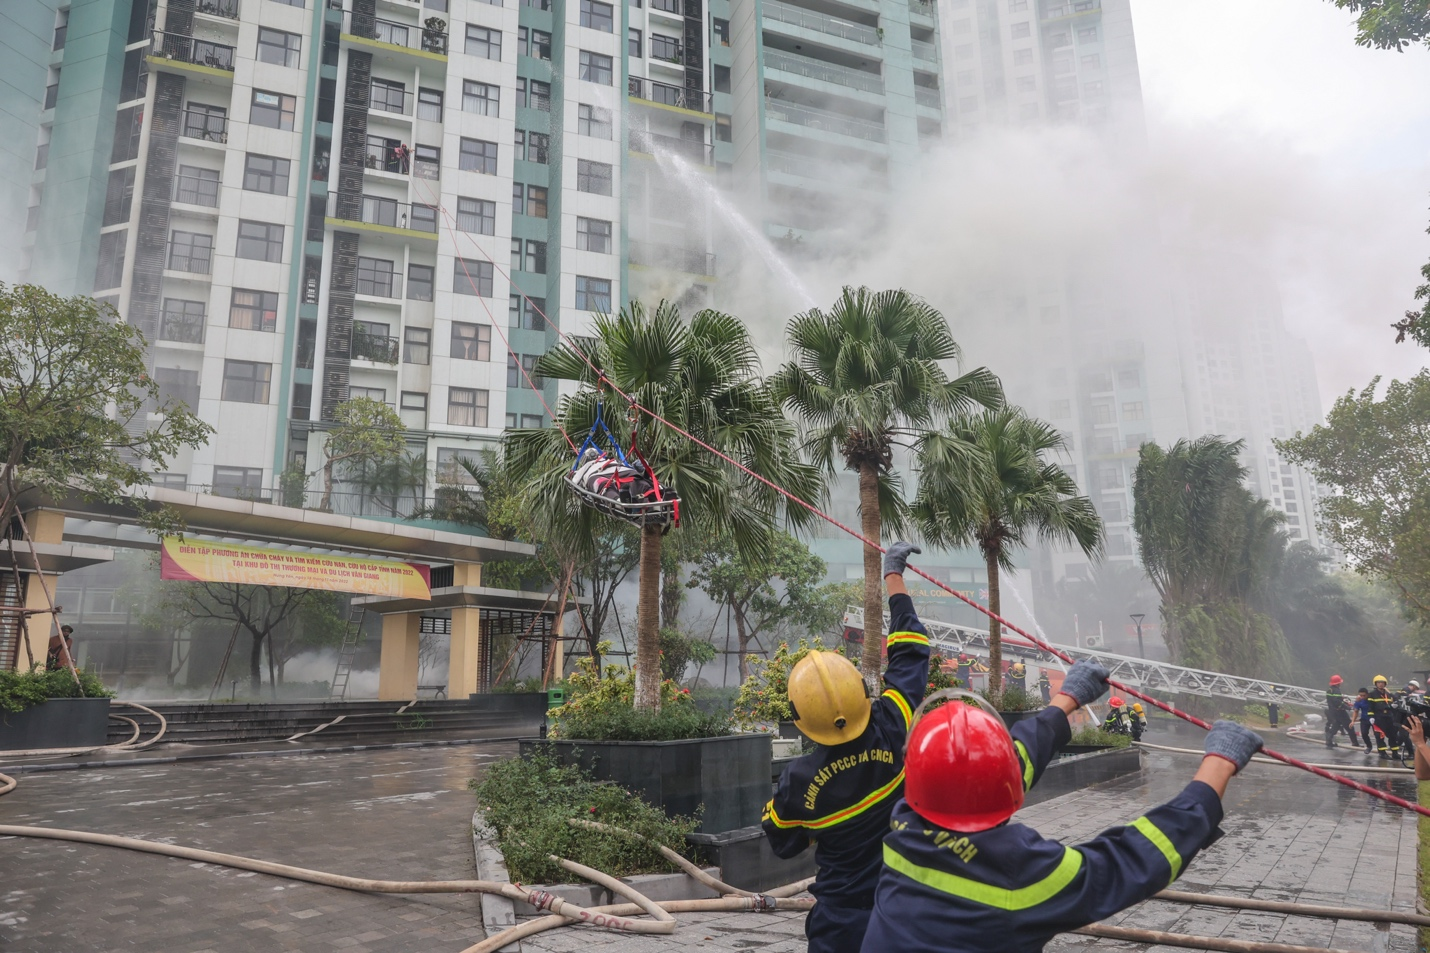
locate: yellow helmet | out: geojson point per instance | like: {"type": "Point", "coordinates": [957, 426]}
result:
{"type": "Point", "coordinates": [1380, 678]}
{"type": "Point", "coordinates": [830, 702]}
{"type": "Point", "coordinates": [1018, 667]}
{"type": "Point", "coordinates": [1137, 707]}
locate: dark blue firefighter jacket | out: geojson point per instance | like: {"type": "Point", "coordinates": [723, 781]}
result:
{"type": "Point", "coordinates": [1009, 889]}
{"type": "Point", "coordinates": [840, 797]}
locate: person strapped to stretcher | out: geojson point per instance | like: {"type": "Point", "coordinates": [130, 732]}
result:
{"type": "Point", "coordinates": [618, 483]}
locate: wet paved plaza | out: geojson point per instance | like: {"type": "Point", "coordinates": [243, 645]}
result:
{"type": "Point", "coordinates": [405, 814]}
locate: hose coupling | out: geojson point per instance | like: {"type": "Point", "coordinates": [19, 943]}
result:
{"type": "Point", "coordinates": [541, 899]}
{"type": "Point", "coordinates": [763, 903]}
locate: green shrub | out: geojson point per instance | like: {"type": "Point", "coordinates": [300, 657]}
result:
{"type": "Point", "coordinates": [1015, 699]}
{"type": "Point", "coordinates": [1089, 735]}
{"type": "Point", "coordinates": [600, 707]}
{"type": "Point", "coordinates": [20, 690]}
{"type": "Point", "coordinates": [528, 802]}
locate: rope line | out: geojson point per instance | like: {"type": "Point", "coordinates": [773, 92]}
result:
{"type": "Point", "coordinates": [816, 511]}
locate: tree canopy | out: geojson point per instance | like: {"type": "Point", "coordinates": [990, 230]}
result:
{"type": "Point", "coordinates": [74, 394]}
{"type": "Point", "coordinates": [367, 435]}
{"type": "Point", "coordinates": [1389, 24]}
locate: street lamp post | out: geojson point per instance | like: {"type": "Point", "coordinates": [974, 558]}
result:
{"type": "Point", "coordinates": [1137, 617]}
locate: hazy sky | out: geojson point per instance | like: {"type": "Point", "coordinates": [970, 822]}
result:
{"type": "Point", "coordinates": [1350, 126]}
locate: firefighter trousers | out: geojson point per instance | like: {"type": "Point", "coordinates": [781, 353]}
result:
{"type": "Point", "coordinates": [832, 927]}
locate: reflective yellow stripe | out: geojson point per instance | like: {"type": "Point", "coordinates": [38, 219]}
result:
{"type": "Point", "coordinates": [1027, 760]}
{"type": "Point", "coordinates": [1020, 898]}
{"type": "Point", "coordinates": [911, 638]}
{"type": "Point", "coordinates": [897, 698]}
{"type": "Point", "coordinates": [838, 816]}
{"type": "Point", "coordinates": [1160, 841]}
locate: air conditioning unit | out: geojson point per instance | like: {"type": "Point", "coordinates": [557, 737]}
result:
{"type": "Point", "coordinates": [1092, 642]}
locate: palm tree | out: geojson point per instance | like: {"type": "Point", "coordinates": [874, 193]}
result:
{"type": "Point", "coordinates": [983, 481]}
{"type": "Point", "coordinates": [703, 377]}
{"type": "Point", "coordinates": [866, 375]}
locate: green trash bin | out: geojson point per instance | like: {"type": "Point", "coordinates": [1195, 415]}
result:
{"type": "Point", "coordinates": [555, 697]}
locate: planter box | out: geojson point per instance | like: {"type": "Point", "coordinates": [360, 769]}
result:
{"type": "Point", "coordinates": [56, 723]}
{"type": "Point", "coordinates": [729, 775]}
{"type": "Point", "coordinates": [746, 860]}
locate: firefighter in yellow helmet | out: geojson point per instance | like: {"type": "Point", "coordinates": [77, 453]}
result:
{"type": "Point", "coordinates": [840, 796]}
{"type": "Point", "coordinates": [1382, 718]}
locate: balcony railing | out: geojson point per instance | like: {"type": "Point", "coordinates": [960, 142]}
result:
{"type": "Point", "coordinates": [1071, 9]}
{"type": "Point", "coordinates": [834, 26]}
{"type": "Point", "coordinates": [651, 143]}
{"type": "Point", "coordinates": [924, 50]}
{"type": "Point", "coordinates": [377, 348]}
{"type": "Point", "coordinates": [792, 164]}
{"type": "Point", "coordinates": [828, 72]}
{"type": "Point", "coordinates": [205, 126]}
{"type": "Point", "coordinates": [218, 8]}
{"type": "Point", "coordinates": [181, 328]}
{"type": "Point", "coordinates": [824, 119]}
{"type": "Point", "coordinates": [187, 49]}
{"type": "Point", "coordinates": [651, 91]}
{"type": "Point", "coordinates": [925, 96]}
{"type": "Point", "coordinates": [923, 7]}
{"type": "Point", "coordinates": [194, 260]}
{"type": "Point", "coordinates": [692, 261]}
{"type": "Point", "coordinates": [408, 35]}
{"type": "Point", "coordinates": [390, 99]}
{"type": "Point", "coordinates": [194, 190]}
{"type": "Point", "coordinates": [377, 210]}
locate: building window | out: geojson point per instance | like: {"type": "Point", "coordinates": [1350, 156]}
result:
{"type": "Point", "coordinates": [593, 294]}
{"type": "Point", "coordinates": [595, 68]}
{"type": "Point", "coordinates": [536, 201]}
{"type": "Point", "coordinates": [472, 277]}
{"type": "Point", "coordinates": [259, 241]}
{"type": "Point", "coordinates": [535, 43]}
{"type": "Point", "coordinates": [240, 483]}
{"type": "Point", "coordinates": [246, 381]}
{"type": "Point", "coordinates": [523, 375]}
{"type": "Point", "coordinates": [449, 465]}
{"type": "Point", "coordinates": [598, 16]}
{"type": "Point", "coordinates": [277, 47]}
{"type": "Point", "coordinates": [1021, 31]}
{"type": "Point", "coordinates": [477, 216]}
{"type": "Point", "coordinates": [1132, 410]}
{"type": "Point", "coordinates": [374, 277]}
{"type": "Point", "coordinates": [532, 146]}
{"type": "Point", "coordinates": [1092, 89]}
{"type": "Point", "coordinates": [194, 186]}
{"type": "Point", "coordinates": [413, 409]}
{"type": "Point", "coordinates": [429, 104]}
{"type": "Point", "coordinates": [253, 310]}
{"type": "Point", "coordinates": [265, 174]}
{"type": "Point", "coordinates": [540, 96]}
{"type": "Point", "coordinates": [483, 42]}
{"type": "Point", "coordinates": [1087, 35]}
{"type": "Point", "coordinates": [483, 99]}
{"type": "Point", "coordinates": [528, 255]}
{"type": "Point", "coordinates": [191, 252]}
{"type": "Point", "coordinates": [420, 281]}
{"type": "Point", "coordinates": [1017, 6]}
{"type": "Point", "coordinates": [1129, 377]}
{"type": "Point", "coordinates": [1027, 84]}
{"type": "Point", "coordinates": [478, 155]}
{"type": "Point", "coordinates": [720, 31]}
{"type": "Point", "coordinates": [664, 48]}
{"type": "Point", "coordinates": [1061, 409]}
{"type": "Point", "coordinates": [633, 43]}
{"type": "Point", "coordinates": [720, 78]}
{"type": "Point", "coordinates": [593, 234]}
{"type": "Point", "coordinates": [467, 407]}
{"type": "Point", "coordinates": [593, 177]}
{"type": "Point", "coordinates": [388, 96]}
{"type": "Point", "coordinates": [471, 342]}
{"type": "Point", "coordinates": [118, 198]}
{"type": "Point", "coordinates": [273, 110]}
{"type": "Point", "coordinates": [427, 162]}
{"type": "Point", "coordinates": [1092, 61]}
{"type": "Point", "coordinates": [182, 321]}
{"type": "Point", "coordinates": [417, 346]}
{"type": "Point", "coordinates": [527, 313]}
{"type": "Point", "coordinates": [593, 121]}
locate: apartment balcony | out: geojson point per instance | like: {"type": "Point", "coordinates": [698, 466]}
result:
{"type": "Point", "coordinates": [397, 40]}
{"type": "Point", "coordinates": [181, 329]}
{"type": "Point", "coordinates": [926, 96]}
{"type": "Point", "coordinates": [388, 217]}
{"type": "Point", "coordinates": [691, 261]}
{"type": "Point", "coordinates": [205, 127]}
{"type": "Point", "coordinates": [1062, 11]}
{"type": "Point", "coordinates": [228, 9]}
{"type": "Point", "coordinates": [825, 72]}
{"type": "Point", "coordinates": [380, 284]}
{"type": "Point", "coordinates": [664, 94]}
{"type": "Point", "coordinates": [923, 8]}
{"type": "Point", "coordinates": [824, 120]}
{"type": "Point", "coordinates": [924, 50]}
{"type": "Point", "coordinates": [820, 23]}
{"type": "Point", "coordinates": [376, 348]}
{"type": "Point", "coordinates": [653, 143]}
{"type": "Point", "coordinates": [187, 54]}
{"type": "Point", "coordinates": [196, 261]}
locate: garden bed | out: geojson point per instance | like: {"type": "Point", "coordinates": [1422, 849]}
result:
{"type": "Point", "coordinates": [56, 723]}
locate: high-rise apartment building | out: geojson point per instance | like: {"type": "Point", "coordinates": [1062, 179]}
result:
{"type": "Point", "coordinates": [303, 201]}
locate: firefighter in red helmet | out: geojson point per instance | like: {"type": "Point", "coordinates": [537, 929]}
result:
{"type": "Point", "coordinates": [958, 875]}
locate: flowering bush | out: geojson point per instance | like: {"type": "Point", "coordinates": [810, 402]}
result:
{"type": "Point", "coordinates": [939, 677]}
{"type": "Point", "coordinates": [601, 707]}
{"type": "Point", "coordinates": [764, 696]}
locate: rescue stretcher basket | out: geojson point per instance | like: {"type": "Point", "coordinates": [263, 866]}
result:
{"type": "Point", "coordinates": [660, 511]}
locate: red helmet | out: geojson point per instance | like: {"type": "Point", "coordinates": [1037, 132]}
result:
{"type": "Point", "coordinates": [961, 771]}
{"type": "Point", "coordinates": [1336, 679]}
{"type": "Point", "coordinates": [1115, 702]}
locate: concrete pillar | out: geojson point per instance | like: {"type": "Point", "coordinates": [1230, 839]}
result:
{"type": "Point", "coordinates": [464, 653]}
{"type": "Point", "coordinates": [397, 670]}
{"type": "Point", "coordinates": [45, 526]}
{"type": "Point", "coordinates": [466, 574]}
